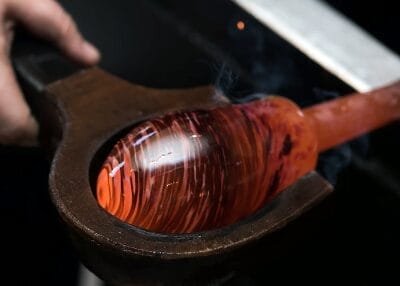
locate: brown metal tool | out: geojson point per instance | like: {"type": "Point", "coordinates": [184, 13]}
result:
{"type": "Point", "coordinates": [80, 114]}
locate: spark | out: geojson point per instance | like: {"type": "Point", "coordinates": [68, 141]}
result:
{"type": "Point", "coordinates": [240, 25]}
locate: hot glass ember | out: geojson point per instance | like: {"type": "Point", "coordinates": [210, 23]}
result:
{"type": "Point", "coordinates": [199, 170]}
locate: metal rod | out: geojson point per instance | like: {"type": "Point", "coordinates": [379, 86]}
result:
{"type": "Point", "coordinates": [87, 278]}
{"type": "Point", "coordinates": [330, 39]}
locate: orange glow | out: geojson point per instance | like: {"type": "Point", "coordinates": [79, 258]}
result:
{"type": "Point", "coordinates": [240, 25]}
{"type": "Point", "coordinates": [204, 169]}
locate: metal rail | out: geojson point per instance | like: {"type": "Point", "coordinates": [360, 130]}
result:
{"type": "Point", "coordinates": [330, 39]}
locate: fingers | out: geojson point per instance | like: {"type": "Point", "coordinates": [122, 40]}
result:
{"type": "Point", "coordinates": [17, 125]}
{"type": "Point", "coordinates": [47, 19]}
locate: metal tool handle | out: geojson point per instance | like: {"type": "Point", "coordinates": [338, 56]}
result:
{"type": "Point", "coordinates": [38, 63]}
{"type": "Point", "coordinates": [330, 39]}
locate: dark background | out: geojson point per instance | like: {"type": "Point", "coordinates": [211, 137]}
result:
{"type": "Point", "coordinates": [187, 43]}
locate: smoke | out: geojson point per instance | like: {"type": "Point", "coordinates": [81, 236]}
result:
{"type": "Point", "coordinates": [267, 68]}
{"type": "Point", "coordinates": [269, 65]}
{"type": "Point", "coordinates": [225, 79]}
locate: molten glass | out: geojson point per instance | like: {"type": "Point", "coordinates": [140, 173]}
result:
{"type": "Point", "coordinates": [199, 170]}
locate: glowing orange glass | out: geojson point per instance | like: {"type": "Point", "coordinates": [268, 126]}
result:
{"type": "Point", "coordinates": [199, 170]}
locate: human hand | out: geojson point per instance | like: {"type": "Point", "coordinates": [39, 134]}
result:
{"type": "Point", "coordinates": [46, 19]}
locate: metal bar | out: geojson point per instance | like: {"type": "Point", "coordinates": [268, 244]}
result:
{"type": "Point", "coordinates": [330, 39]}
{"type": "Point", "coordinates": [87, 278]}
